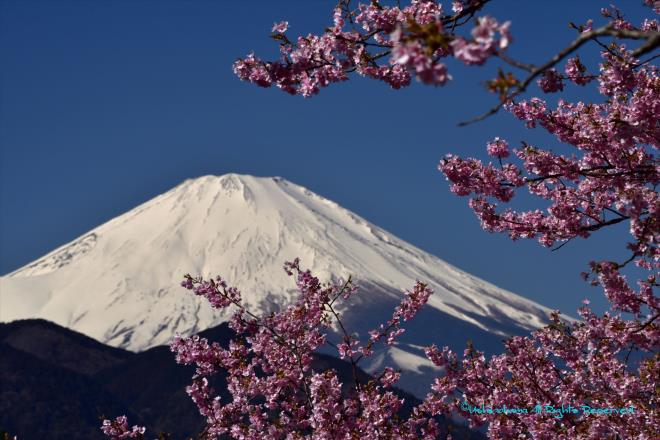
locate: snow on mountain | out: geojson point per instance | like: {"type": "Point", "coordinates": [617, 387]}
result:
{"type": "Point", "coordinates": [120, 283]}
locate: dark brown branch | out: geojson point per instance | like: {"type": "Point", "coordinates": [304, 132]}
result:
{"type": "Point", "coordinates": [347, 340]}
{"type": "Point", "coordinates": [652, 42]}
{"type": "Point", "coordinates": [562, 245]}
{"type": "Point", "coordinates": [641, 63]}
{"type": "Point", "coordinates": [467, 12]}
{"type": "Point", "coordinates": [628, 261]}
{"type": "Point", "coordinates": [603, 224]}
{"type": "Point", "coordinates": [520, 65]}
{"type": "Point", "coordinates": [600, 172]}
{"type": "Point", "coordinates": [646, 324]}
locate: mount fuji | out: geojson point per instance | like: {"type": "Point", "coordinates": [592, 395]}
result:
{"type": "Point", "coordinates": [120, 282]}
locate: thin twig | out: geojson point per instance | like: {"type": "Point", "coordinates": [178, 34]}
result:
{"type": "Point", "coordinates": [562, 245]}
{"type": "Point", "coordinates": [520, 65]}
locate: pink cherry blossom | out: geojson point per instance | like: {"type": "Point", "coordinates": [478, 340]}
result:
{"type": "Point", "coordinates": [575, 71]}
{"type": "Point", "coordinates": [281, 27]}
{"type": "Point", "coordinates": [118, 429]}
{"type": "Point", "coordinates": [551, 82]}
{"type": "Point", "coordinates": [498, 148]}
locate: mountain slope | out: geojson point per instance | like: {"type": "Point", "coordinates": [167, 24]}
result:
{"type": "Point", "coordinates": [119, 283]}
{"type": "Point", "coordinates": [48, 342]}
{"type": "Point", "coordinates": [46, 386]}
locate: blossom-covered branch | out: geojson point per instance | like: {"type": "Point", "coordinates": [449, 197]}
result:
{"type": "Point", "coordinates": [651, 38]}
{"type": "Point", "coordinates": [275, 391]}
{"type": "Point", "coordinates": [414, 39]}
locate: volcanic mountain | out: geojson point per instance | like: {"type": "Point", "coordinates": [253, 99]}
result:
{"type": "Point", "coordinates": [120, 283]}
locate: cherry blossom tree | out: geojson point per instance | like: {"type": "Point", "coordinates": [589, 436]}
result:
{"type": "Point", "coordinates": [275, 392]}
{"type": "Point", "coordinates": [595, 378]}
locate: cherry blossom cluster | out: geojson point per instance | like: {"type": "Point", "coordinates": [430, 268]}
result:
{"type": "Point", "coordinates": [551, 81]}
{"type": "Point", "coordinates": [575, 72]}
{"type": "Point", "coordinates": [215, 291]}
{"type": "Point", "coordinates": [613, 180]}
{"type": "Point", "coordinates": [387, 43]}
{"type": "Point", "coordinates": [118, 429]}
{"type": "Point", "coordinates": [585, 363]}
{"type": "Point", "coordinates": [275, 392]}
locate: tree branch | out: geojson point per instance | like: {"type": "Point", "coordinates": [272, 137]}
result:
{"type": "Point", "coordinates": [652, 42]}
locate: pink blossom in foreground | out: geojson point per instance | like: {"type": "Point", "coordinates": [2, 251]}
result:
{"type": "Point", "coordinates": [484, 43]}
{"type": "Point", "coordinates": [118, 429]}
{"type": "Point", "coordinates": [270, 362]}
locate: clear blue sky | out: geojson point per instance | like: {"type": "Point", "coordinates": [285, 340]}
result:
{"type": "Point", "coordinates": [106, 104]}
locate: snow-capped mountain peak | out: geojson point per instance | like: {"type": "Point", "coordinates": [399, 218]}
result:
{"type": "Point", "coordinates": [120, 283]}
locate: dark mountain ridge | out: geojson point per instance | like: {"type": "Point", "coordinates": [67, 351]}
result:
{"type": "Point", "coordinates": [56, 383]}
